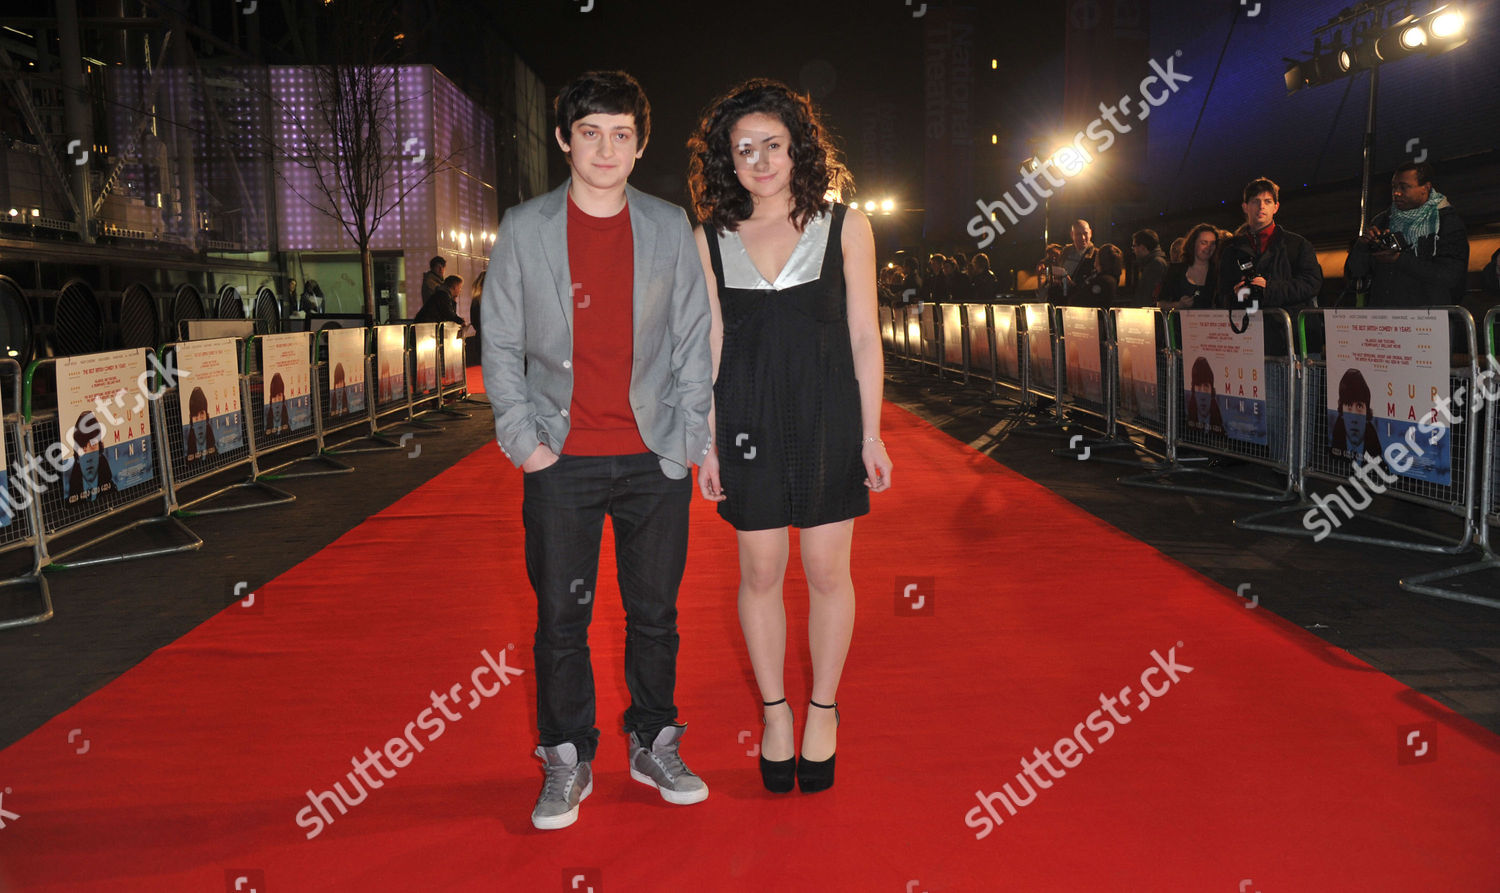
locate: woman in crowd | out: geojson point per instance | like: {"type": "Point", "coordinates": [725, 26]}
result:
{"type": "Point", "coordinates": [797, 391]}
{"type": "Point", "coordinates": [1185, 286]}
{"type": "Point", "coordinates": [1102, 286]}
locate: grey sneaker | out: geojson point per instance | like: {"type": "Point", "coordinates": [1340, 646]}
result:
{"type": "Point", "coordinates": [663, 769]}
{"type": "Point", "coordinates": [568, 782]}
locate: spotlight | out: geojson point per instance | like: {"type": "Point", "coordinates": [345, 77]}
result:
{"type": "Point", "coordinates": [14, 213]}
{"type": "Point", "coordinates": [888, 206]}
{"type": "Point", "coordinates": [1413, 36]}
{"type": "Point", "coordinates": [1447, 24]}
{"type": "Point", "coordinates": [1346, 60]}
{"type": "Point", "coordinates": [36, 212]}
{"type": "Point", "coordinates": [1296, 78]}
{"type": "Point", "coordinates": [869, 206]}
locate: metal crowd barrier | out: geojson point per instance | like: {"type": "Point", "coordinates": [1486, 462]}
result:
{"type": "Point", "coordinates": [930, 336]}
{"type": "Point", "coordinates": [1317, 463]}
{"type": "Point", "coordinates": [338, 388]}
{"type": "Point", "coordinates": [1277, 454]}
{"type": "Point", "coordinates": [1083, 334]}
{"type": "Point", "coordinates": [1138, 406]}
{"type": "Point", "coordinates": [1044, 359]}
{"type": "Point", "coordinates": [455, 370]}
{"type": "Point", "coordinates": [273, 436]}
{"type": "Point", "coordinates": [909, 336]}
{"type": "Point", "coordinates": [426, 382]}
{"type": "Point", "coordinates": [21, 507]}
{"type": "Point", "coordinates": [1011, 358]}
{"type": "Point", "coordinates": [65, 514]}
{"type": "Point", "coordinates": [1489, 492]}
{"type": "Point", "coordinates": [953, 351]}
{"type": "Point", "coordinates": [888, 327]}
{"type": "Point", "coordinates": [392, 397]}
{"type": "Point", "coordinates": [187, 469]}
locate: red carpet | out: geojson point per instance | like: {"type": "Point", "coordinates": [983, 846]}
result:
{"type": "Point", "coordinates": [1271, 765]}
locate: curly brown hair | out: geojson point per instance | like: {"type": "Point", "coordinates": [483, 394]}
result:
{"type": "Point", "coordinates": [718, 197]}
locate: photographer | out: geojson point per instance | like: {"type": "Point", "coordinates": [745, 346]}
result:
{"type": "Point", "coordinates": [1416, 253]}
{"type": "Point", "coordinates": [1264, 263]}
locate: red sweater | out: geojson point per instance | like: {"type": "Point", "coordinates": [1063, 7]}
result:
{"type": "Point", "coordinates": [601, 257]}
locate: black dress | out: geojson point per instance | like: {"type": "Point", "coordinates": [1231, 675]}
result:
{"type": "Point", "coordinates": [787, 405]}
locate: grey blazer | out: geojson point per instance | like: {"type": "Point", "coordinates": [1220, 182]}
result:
{"type": "Point", "coordinates": [527, 308]}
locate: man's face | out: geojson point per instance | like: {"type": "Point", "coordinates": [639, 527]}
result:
{"type": "Point", "coordinates": [602, 150]}
{"type": "Point", "coordinates": [1140, 251]}
{"type": "Point", "coordinates": [1260, 210]}
{"type": "Point", "coordinates": [1081, 235]}
{"type": "Point", "coordinates": [1407, 193]}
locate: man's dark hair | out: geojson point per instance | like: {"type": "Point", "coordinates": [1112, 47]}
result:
{"type": "Point", "coordinates": [452, 281]}
{"type": "Point", "coordinates": [1146, 238]}
{"type": "Point", "coordinates": [1422, 169]}
{"type": "Point", "coordinates": [1262, 184]}
{"type": "Point", "coordinates": [603, 93]}
{"type": "Point", "coordinates": [436, 262]}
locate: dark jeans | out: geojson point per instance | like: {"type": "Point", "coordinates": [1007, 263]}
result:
{"type": "Point", "coordinates": [563, 511]}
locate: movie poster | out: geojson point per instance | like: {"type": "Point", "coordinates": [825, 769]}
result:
{"type": "Point", "coordinates": [1007, 349]}
{"type": "Point", "coordinates": [390, 359]}
{"type": "Point", "coordinates": [1135, 339]}
{"type": "Point", "coordinates": [425, 336]}
{"type": "Point", "coordinates": [1224, 376]}
{"type": "Point", "coordinates": [287, 380]}
{"type": "Point", "coordinates": [1039, 336]}
{"type": "Point", "coordinates": [104, 414]}
{"type": "Point", "coordinates": [1084, 368]}
{"type": "Point", "coordinates": [346, 371]}
{"type": "Point", "coordinates": [453, 355]}
{"type": "Point", "coordinates": [1387, 370]}
{"type": "Point", "coordinates": [209, 398]}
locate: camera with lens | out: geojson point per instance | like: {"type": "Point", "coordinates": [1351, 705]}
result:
{"type": "Point", "coordinates": [1249, 292]}
{"type": "Point", "coordinates": [1390, 240]}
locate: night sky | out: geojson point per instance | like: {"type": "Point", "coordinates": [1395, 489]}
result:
{"type": "Point", "coordinates": [847, 55]}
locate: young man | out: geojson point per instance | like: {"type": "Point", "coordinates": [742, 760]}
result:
{"type": "Point", "coordinates": [1285, 264]}
{"type": "Point", "coordinates": [1150, 266]}
{"type": "Point", "coordinates": [596, 359]}
{"type": "Point", "coordinates": [432, 280]}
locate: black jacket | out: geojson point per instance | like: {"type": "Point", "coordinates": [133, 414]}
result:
{"type": "Point", "coordinates": [1150, 271]}
{"type": "Point", "coordinates": [439, 307]}
{"type": "Point", "coordinates": [1430, 275]}
{"type": "Point", "coordinates": [1289, 266]}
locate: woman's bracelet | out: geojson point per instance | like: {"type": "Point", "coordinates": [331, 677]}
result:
{"type": "Point", "coordinates": [874, 440]}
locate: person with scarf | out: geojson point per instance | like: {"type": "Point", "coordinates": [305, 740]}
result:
{"type": "Point", "coordinates": [1429, 271]}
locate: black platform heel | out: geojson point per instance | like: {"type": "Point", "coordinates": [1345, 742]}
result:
{"type": "Point", "coordinates": [777, 775]}
{"type": "Point", "coordinates": [817, 775]}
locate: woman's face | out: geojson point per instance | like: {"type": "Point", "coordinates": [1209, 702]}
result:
{"type": "Point", "coordinates": [1204, 246]}
{"type": "Point", "coordinates": [761, 145]}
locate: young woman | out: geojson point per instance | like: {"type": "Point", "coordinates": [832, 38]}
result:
{"type": "Point", "coordinates": [1185, 286]}
{"type": "Point", "coordinates": [1102, 287]}
{"type": "Point", "coordinates": [797, 391]}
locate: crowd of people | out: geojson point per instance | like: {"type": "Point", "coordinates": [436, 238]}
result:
{"type": "Point", "coordinates": [1413, 254]}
